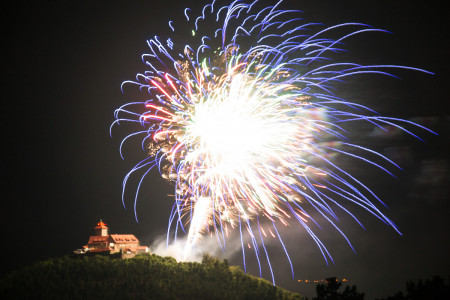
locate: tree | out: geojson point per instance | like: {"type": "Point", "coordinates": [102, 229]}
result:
{"type": "Point", "coordinates": [330, 291]}
{"type": "Point", "coordinates": [435, 289]}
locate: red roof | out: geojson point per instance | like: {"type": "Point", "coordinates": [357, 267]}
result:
{"type": "Point", "coordinates": [124, 238]}
{"type": "Point", "coordinates": [97, 239]}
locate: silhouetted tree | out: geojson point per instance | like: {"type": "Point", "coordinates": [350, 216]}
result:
{"type": "Point", "coordinates": [434, 289]}
{"type": "Point", "coordinates": [330, 291]}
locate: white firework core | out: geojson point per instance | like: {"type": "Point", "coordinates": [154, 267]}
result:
{"type": "Point", "coordinates": [248, 126]}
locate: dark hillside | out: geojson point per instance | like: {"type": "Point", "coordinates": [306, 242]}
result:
{"type": "Point", "coordinates": [142, 277]}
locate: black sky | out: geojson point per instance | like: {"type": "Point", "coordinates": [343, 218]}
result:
{"type": "Point", "coordinates": [63, 68]}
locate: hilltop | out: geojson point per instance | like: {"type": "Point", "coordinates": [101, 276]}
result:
{"type": "Point", "coordinates": [142, 277]}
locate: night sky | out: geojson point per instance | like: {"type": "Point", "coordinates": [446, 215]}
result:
{"type": "Point", "coordinates": [65, 63]}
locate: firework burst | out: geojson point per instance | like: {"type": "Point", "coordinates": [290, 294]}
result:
{"type": "Point", "coordinates": [243, 121]}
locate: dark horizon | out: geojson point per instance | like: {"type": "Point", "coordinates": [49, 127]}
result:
{"type": "Point", "coordinates": [65, 65]}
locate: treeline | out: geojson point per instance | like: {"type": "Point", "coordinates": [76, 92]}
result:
{"type": "Point", "coordinates": [434, 289]}
{"type": "Point", "coordinates": [142, 277]}
{"type": "Point", "coordinates": [331, 290]}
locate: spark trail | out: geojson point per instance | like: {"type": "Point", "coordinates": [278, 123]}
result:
{"type": "Point", "coordinates": [245, 121]}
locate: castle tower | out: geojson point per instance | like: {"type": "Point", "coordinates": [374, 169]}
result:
{"type": "Point", "coordinates": [101, 229]}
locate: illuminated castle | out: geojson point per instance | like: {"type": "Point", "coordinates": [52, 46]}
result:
{"type": "Point", "coordinates": [102, 241]}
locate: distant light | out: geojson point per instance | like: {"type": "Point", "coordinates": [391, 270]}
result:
{"type": "Point", "coordinates": [321, 280]}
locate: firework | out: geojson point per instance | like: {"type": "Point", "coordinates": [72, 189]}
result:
{"type": "Point", "coordinates": [243, 122]}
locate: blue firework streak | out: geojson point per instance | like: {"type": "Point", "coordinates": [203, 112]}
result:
{"type": "Point", "coordinates": [245, 121]}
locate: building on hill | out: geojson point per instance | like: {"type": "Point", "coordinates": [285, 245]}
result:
{"type": "Point", "coordinates": [102, 242]}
